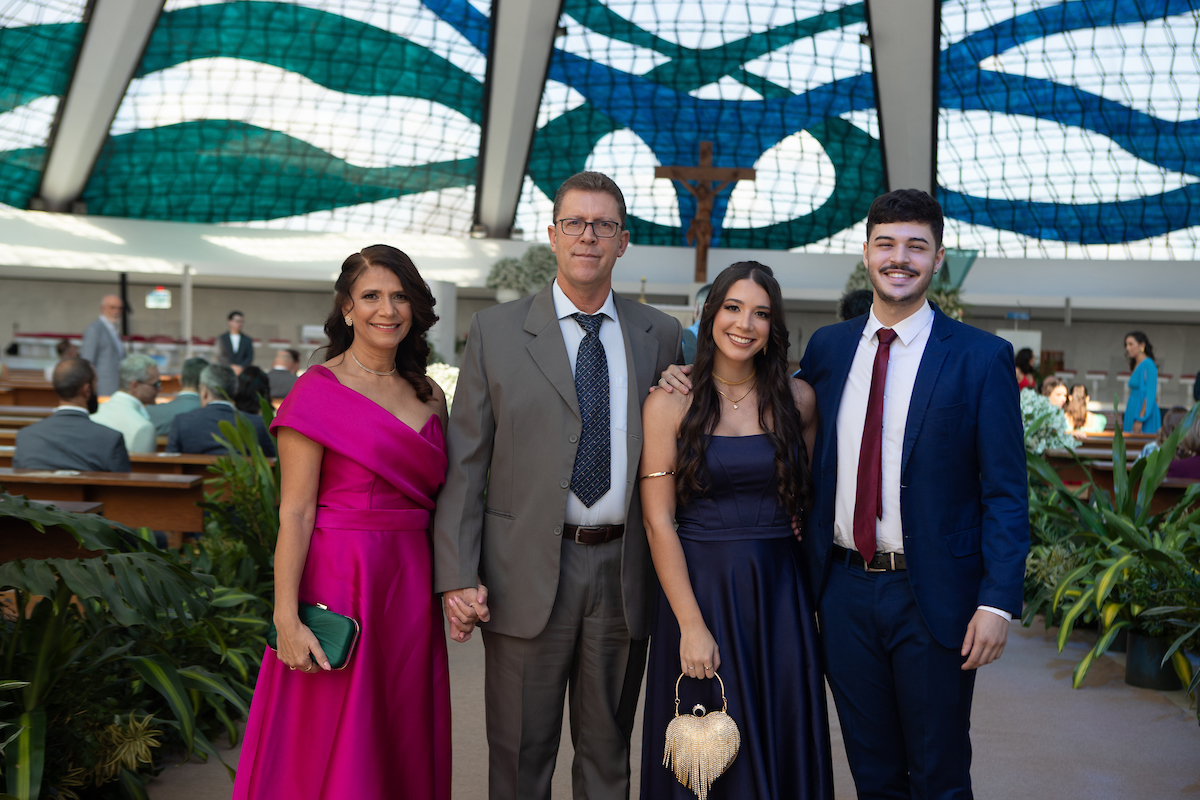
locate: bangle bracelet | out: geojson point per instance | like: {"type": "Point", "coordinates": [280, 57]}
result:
{"type": "Point", "coordinates": [657, 474]}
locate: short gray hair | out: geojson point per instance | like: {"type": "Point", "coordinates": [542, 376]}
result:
{"type": "Point", "coordinates": [220, 381]}
{"type": "Point", "coordinates": [135, 368]}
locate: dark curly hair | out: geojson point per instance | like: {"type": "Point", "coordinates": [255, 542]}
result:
{"type": "Point", "coordinates": [412, 356]}
{"type": "Point", "coordinates": [777, 412]}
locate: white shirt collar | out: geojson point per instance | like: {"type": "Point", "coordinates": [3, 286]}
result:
{"type": "Point", "coordinates": [182, 392]}
{"type": "Point", "coordinates": [220, 402]}
{"type": "Point", "coordinates": [131, 401]}
{"type": "Point", "coordinates": [906, 329]}
{"type": "Point", "coordinates": [563, 307]}
{"type": "Point", "coordinates": [69, 407]}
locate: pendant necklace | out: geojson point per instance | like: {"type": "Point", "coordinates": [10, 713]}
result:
{"type": "Point", "coordinates": [392, 371]}
{"type": "Point", "coordinates": [753, 372]}
{"type": "Point", "coordinates": [740, 399]}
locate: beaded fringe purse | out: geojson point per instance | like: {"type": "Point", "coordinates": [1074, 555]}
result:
{"type": "Point", "coordinates": [701, 745]}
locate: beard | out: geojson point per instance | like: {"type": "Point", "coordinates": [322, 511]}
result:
{"type": "Point", "coordinates": [93, 404]}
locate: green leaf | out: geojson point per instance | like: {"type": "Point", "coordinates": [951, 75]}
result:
{"type": "Point", "coordinates": [6, 685]}
{"type": "Point", "coordinates": [225, 597]}
{"type": "Point", "coordinates": [196, 677]}
{"type": "Point", "coordinates": [133, 785]}
{"type": "Point", "coordinates": [158, 673]}
{"type": "Point", "coordinates": [1069, 618]}
{"type": "Point", "coordinates": [25, 756]}
{"type": "Point", "coordinates": [1103, 643]}
{"type": "Point", "coordinates": [1067, 581]}
{"type": "Point", "coordinates": [1081, 669]}
{"type": "Point", "coordinates": [1109, 577]}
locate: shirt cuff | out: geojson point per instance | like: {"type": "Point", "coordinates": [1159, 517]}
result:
{"type": "Point", "coordinates": [998, 612]}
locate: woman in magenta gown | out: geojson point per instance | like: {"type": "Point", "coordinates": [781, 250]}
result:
{"type": "Point", "coordinates": [362, 457]}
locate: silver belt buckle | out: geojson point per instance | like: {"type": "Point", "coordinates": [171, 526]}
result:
{"type": "Point", "coordinates": [892, 556]}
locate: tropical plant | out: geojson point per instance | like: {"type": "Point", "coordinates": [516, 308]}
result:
{"type": "Point", "coordinates": [117, 656]}
{"type": "Point", "coordinates": [1138, 569]}
{"type": "Point", "coordinates": [446, 377]}
{"type": "Point", "coordinates": [529, 273]}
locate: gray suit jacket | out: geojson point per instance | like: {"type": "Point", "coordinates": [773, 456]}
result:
{"type": "Point", "coordinates": [69, 440]}
{"type": "Point", "coordinates": [100, 348]}
{"type": "Point", "coordinates": [511, 444]}
{"type": "Point", "coordinates": [163, 414]}
{"type": "Point", "coordinates": [281, 382]}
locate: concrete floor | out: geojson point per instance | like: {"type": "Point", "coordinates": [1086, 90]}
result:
{"type": "Point", "coordinates": [1033, 736]}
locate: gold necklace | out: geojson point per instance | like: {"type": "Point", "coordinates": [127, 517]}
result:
{"type": "Point", "coordinates": [740, 399]}
{"type": "Point", "coordinates": [739, 383]}
{"type": "Point", "coordinates": [392, 371]}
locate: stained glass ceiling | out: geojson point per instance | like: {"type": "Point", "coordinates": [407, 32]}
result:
{"type": "Point", "coordinates": [1064, 129]}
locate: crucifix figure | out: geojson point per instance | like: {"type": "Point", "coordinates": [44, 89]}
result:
{"type": "Point", "coordinates": [705, 182]}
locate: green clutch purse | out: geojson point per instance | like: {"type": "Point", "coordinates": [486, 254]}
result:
{"type": "Point", "coordinates": [337, 633]}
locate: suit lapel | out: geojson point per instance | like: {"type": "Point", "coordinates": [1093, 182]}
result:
{"type": "Point", "coordinates": [641, 350]}
{"type": "Point", "coordinates": [842, 358]}
{"type": "Point", "coordinates": [548, 350]}
{"type": "Point", "coordinates": [927, 374]}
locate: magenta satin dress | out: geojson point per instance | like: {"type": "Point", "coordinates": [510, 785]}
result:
{"type": "Point", "coordinates": [380, 728]}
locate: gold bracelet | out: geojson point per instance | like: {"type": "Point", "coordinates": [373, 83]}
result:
{"type": "Point", "coordinates": [657, 474]}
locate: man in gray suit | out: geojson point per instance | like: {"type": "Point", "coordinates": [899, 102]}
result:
{"type": "Point", "coordinates": [188, 399]}
{"type": "Point", "coordinates": [103, 347]}
{"type": "Point", "coordinates": [539, 528]}
{"type": "Point", "coordinates": [67, 439]}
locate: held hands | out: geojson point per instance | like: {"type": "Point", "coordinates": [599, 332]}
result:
{"type": "Point", "coordinates": [986, 636]}
{"type": "Point", "coordinates": [465, 608]}
{"type": "Point", "coordinates": [298, 647]}
{"type": "Point", "coordinates": [675, 377]}
{"type": "Point", "coordinates": [698, 654]}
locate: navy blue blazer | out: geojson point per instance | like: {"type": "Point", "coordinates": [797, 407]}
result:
{"type": "Point", "coordinates": [964, 502]}
{"type": "Point", "coordinates": [193, 431]}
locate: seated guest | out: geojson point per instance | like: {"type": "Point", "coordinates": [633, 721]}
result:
{"type": "Point", "coordinates": [193, 432]}
{"type": "Point", "coordinates": [283, 374]}
{"type": "Point", "coordinates": [1055, 391]}
{"type": "Point", "coordinates": [67, 439]}
{"type": "Point", "coordinates": [125, 411]}
{"type": "Point", "coordinates": [1026, 371]}
{"type": "Point", "coordinates": [1170, 422]}
{"type": "Point", "coordinates": [1186, 463]}
{"type": "Point", "coordinates": [188, 398]}
{"type": "Point", "coordinates": [253, 386]}
{"type": "Point", "coordinates": [64, 349]}
{"type": "Point", "coordinates": [1079, 419]}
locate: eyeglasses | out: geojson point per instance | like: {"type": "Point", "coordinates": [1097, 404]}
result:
{"type": "Point", "coordinates": [601, 227]}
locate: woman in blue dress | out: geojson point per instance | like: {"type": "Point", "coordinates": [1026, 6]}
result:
{"type": "Point", "coordinates": [1141, 412]}
{"type": "Point", "coordinates": [728, 462]}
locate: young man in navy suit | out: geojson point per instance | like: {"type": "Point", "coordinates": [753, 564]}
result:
{"type": "Point", "coordinates": [917, 539]}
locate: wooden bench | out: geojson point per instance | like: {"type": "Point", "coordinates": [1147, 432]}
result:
{"type": "Point", "coordinates": [19, 539]}
{"type": "Point", "coordinates": [30, 392]}
{"type": "Point", "coordinates": [37, 412]}
{"type": "Point", "coordinates": [152, 500]}
{"type": "Point", "coordinates": [17, 422]}
{"type": "Point", "coordinates": [1071, 471]}
{"type": "Point", "coordinates": [1167, 495]}
{"type": "Point", "coordinates": [8, 436]}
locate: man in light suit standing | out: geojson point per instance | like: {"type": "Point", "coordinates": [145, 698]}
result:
{"type": "Point", "coordinates": [102, 345]}
{"type": "Point", "coordinates": [540, 506]}
{"type": "Point", "coordinates": [920, 526]}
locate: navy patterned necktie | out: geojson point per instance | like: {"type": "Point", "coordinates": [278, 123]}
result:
{"type": "Point", "coordinates": [592, 475]}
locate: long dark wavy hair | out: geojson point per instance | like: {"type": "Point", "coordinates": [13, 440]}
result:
{"type": "Point", "coordinates": [777, 413]}
{"type": "Point", "coordinates": [1141, 338]}
{"type": "Point", "coordinates": [412, 356]}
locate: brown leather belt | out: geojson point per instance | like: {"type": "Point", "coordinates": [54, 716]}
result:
{"type": "Point", "coordinates": [594, 534]}
{"type": "Point", "coordinates": [882, 562]}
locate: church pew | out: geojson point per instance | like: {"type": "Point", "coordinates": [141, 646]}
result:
{"type": "Point", "coordinates": [30, 392]}
{"type": "Point", "coordinates": [19, 539]}
{"type": "Point", "coordinates": [1069, 469]}
{"type": "Point", "coordinates": [8, 435]}
{"type": "Point", "coordinates": [6, 397]}
{"type": "Point", "coordinates": [1168, 494]}
{"type": "Point", "coordinates": [17, 422]}
{"type": "Point", "coordinates": [37, 412]}
{"type": "Point", "coordinates": [153, 500]}
{"type": "Point", "coordinates": [175, 463]}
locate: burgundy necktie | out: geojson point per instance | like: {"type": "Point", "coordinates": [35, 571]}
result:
{"type": "Point", "coordinates": [868, 505]}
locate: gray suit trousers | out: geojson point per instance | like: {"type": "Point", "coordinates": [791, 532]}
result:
{"type": "Point", "coordinates": [585, 653]}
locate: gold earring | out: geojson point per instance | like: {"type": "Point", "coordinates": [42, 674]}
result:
{"type": "Point", "coordinates": [349, 322]}
{"type": "Point", "coordinates": [767, 342]}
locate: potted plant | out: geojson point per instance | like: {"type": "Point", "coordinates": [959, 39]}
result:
{"type": "Point", "coordinates": [513, 278]}
{"type": "Point", "coordinates": [1139, 570]}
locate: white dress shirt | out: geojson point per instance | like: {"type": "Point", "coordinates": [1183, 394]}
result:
{"type": "Point", "coordinates": [125, 413]}
{"type": "Point", "coordinates": [235, 341]}
{"type": "Point", "coordinates": [904, 359]}
{"type": "Point", "coordinates": [610, 508]}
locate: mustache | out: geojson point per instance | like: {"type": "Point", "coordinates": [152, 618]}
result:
{"type": "Point", "coordinates": [905, 270]}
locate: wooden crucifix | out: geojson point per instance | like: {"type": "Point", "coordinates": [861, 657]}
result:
{"type": "Point", "coordinates": [705, 182]}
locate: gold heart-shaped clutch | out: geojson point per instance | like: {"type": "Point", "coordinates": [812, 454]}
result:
{"type": "Point", "coordinates": [701, 745]}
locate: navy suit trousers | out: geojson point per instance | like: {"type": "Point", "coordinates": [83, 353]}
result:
{"type": "Point", "coordinates": [904, 700]}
